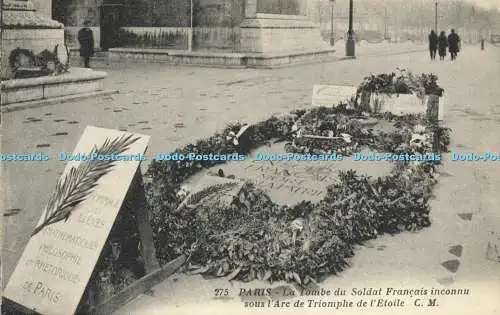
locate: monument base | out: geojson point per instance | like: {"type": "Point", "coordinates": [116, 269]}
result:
{"type": "Point", "coordinates": [220, 60]}
{"type": "Point", "coordinates": [272, 34]}
{"type": "Point", "coordinates": [78, 81]}
{"type": "Point", "coordinates": [27, 30]}
{"type": "Point", "coordinates": [35, 40]}
{"type": "Point", "coordinates": [266, 41]}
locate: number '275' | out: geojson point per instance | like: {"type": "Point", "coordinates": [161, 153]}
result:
{"type": "Point", "coordinates": [221, 292]}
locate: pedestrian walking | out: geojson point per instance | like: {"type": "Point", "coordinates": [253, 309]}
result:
{"type": "Point", "coordinates": [453, 44]}
{"type": "Point", "coordinates": [86, 40]}
{"type": "Point", "coordinates": [442, 45]}
{"type": "Point", "coordinates": [433, 44]}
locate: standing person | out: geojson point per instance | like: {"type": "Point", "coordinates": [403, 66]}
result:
{"type": "Point", "coordinates": [453, 44]}
{"type": "Point", "coordinates": [86, 40]}
{"type": "Point", "coordinates": [442, 45]}
{"type": "Point", "coordinates": [433, 44]}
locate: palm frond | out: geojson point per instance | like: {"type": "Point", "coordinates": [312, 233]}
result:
{"type": "Point", "coordinates": [80, 181]}
{"type": "Point", "coordinates": [211, 190]}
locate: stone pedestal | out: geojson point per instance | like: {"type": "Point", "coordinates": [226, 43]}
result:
{"type": "Point", "coordinates": [24, 28]}
{"type": "Point", "coordinates": [269, 34]}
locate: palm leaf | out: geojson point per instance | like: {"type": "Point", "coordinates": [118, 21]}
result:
{"type": "Point", "coordinates": [234, 273]}
{"type": "Point", "coordinates": [80, 181]}
{"type": "Point", "coordinates": [195, 198]}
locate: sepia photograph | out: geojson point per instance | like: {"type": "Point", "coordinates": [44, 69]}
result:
{"type": "Point", "coordinates": [222, 157]}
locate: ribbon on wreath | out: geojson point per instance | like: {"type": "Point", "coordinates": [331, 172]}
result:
{"type": "Point", "coordinates": [236, 136]}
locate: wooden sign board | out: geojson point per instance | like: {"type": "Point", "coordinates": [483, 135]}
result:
{"type": "Point", "coordinates": [56, 265]}
{"type": "Point", "coordinates": [331, 95]}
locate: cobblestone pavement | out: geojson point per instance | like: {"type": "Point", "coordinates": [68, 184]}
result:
{"type": "Point", "coordinates": [177, 105]}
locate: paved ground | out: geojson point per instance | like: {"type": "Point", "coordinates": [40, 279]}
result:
{"type": "Point", "coordinates": [178, 105]}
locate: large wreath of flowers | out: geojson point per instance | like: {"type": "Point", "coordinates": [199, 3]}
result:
{"type": "Point", "coordinates": [25, 64]}
{"type": "Point", "coordinates": [255, 238]}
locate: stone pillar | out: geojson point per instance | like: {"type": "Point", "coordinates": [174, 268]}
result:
{"type": "Point", "coordinates": [43, 8]}
{"type": "Point", "coordinates": [313, 10]}
{"type": "Point", "coordinates": [250, 9]}
{"type": "Point", "coordinates": [303, 7]}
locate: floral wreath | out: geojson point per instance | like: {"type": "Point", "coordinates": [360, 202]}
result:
{"type": "Point", "coordinates": [255, 238]}
{"type": "Point", "coordinates": [42, 60]}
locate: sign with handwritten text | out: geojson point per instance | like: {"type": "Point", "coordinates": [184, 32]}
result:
{"type": "Point", "coordinates": [55, 267]}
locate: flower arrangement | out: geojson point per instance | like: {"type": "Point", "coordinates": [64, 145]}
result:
{"type": "Point", "coordinates": [255, 238]}
{"type": "Point", "coordinates": [25, 64]}
{"type": "Point", "coordinates": [400, 82]}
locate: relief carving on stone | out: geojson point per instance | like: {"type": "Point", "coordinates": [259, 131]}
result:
{"type": "Point", "coordinates": [18, 5]}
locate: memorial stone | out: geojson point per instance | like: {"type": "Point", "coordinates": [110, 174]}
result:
{"type": "Point", "coordinates": [287, 181]}
{"type": "Point", "coordinates": [56, 265]}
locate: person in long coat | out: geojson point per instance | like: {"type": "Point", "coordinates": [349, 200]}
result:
{"type": "Point", "coordinates": [454, 44]}
{"type": "Point", "coordinates": [433, 44]}
{"type": "Point", "coordinates": [442, 45]}
{"type": "Point", "coordinates": [86, 40]}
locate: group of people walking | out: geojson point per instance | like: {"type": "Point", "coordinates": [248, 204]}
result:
{"type": "Point", "coordinates": [442, 42]}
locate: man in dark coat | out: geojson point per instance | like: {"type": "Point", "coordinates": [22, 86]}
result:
{"type": "Point", "coordinates": [433, 44]}
{"type": "Point", "coordinates": [442, 45]}
{"type": "Point", "coordinates": [453, 44]}
{"type": "Point", "coordinates": [86, 40]}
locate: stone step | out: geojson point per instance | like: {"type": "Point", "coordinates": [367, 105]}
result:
{"type": "Point", "coordinates": [83, 81]}
{"type": "Point", "coordinates": [94, 62]}
{"type": "Point", "coordinates": [91, 59]}
{"type": "Point", "coordinates": [76, 52]}
{"type": "Point", "coordinates": [101, 54]}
